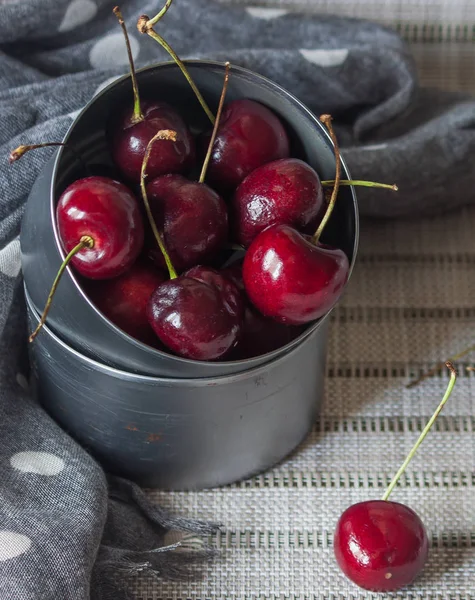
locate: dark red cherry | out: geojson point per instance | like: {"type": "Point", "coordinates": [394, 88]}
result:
{"type": "Point", "coordinates": [130, 141]}
{"type": "Point", "coordinates": [249, 135]}
{"type": "Point", "coordinates": [290, 279]}
{"type": "Point", "coordinates": [380, 545]}
{"type": "Point", "coordinates": [124, 300]}
{"type": "Point", "coordinates": [192, 217]}
{"type": "Point", "coordinates": [108, 212]}
{"type": "Point", "coordinates": [260, 334]}
{"type": "Point", "coordinates": [283, 192]}
{"type": "Point", "coordinates": [197, 315]}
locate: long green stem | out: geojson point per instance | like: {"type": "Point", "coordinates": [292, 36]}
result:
{"type": "Point", "coordinates": [440, 366]}
{"type": "Point", "coordinates": [216, 123]}
{"type": "Point", "coordinates": [425, 431]}
{"type": "Point", "coordinates": [143, 28]}
{"type": "Point", "coordinates": [327, 121]}
{"type": "Point", "coordinates": [362, 183]}
{"type": "Point", "coordinates": [165, 134]}
{"type": "Point", "coordinates": [85, 242]}
{"type": "Point", "coordinates": [159, 15]}
{"type": "Point", "coordinates": [137, 114]}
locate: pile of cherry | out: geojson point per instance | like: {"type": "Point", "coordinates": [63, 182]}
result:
{"type": "Point", "coordinates": [153, 265]}
{"type": "Point", "coordinates": [149, 249]}
{"type": "Point", "coordinates": [197, 310]}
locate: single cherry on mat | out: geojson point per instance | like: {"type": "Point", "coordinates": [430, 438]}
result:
{"type": "Point", "coordinates": [249, 136]}
{"type": "Point", "coordinates": [291, 279]}
{"type": "Point", "coordinates": [284, 192]}
{"type": "Point", "coordinates": [137, 126]}
{"type": "Point", "coordinates": [124, 300]}
{"type": "Point", "coordinates": [382, 545]}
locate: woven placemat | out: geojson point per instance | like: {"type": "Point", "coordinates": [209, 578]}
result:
{"type": "Point", "coordinates": [410, 304]}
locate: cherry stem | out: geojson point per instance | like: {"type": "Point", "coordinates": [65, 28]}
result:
{"type": "Point", "coordinates": [23, 149]}
{"type": "Point", "coordinates": [362, 183]}
{"type": "Point", "coordinates": [151, 22]}
{"type": "Point", "coordinates": [143, 27]}
{"type": "Point", "coordinates": [216, 123]}
{"type": "Point", "coordinates": [85, 242]}
{"type": "Point", "coordinates": [440, 366]}
{"type": "Point", "coordinates": [327, 121]}
{"type": "Point", "coordinates": [425, 431]}
{"type": "Point", "coordinates": [137, 115]}
{"type": "Point", "coordinates": [164, 134]}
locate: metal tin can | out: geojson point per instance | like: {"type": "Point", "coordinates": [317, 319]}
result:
{"type": "Point", "coordinates": [181, 433]}
{"type": "Point", "coordinates": [73, 317]}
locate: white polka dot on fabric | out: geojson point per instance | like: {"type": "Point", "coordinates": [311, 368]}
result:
{"type": "Point", "coordinates": [110, 51]}
{"type": "Point", "coordinates": [266, 13]}
{"type": "Point", "coordinates": [77, 13]}
{"type": "Point", "coordinates": [325, 58]}
{"type": "Point", "coordinates": [10, 261]}
{"type": "Point", "coordinates": [373, 147]}
{"type": "Point", "coordinates": [105, 83]}
{"type": "Point", "coordinates": [13, 544]}
{"type": "Point", "coordinates": [40, 463]}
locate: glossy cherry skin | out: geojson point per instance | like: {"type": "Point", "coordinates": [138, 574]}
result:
{"type": "Point", "coordinates": [284, 192]}
{"type": "Point", "coordinates": [107, 211]}
{"type": "Point", "coordinates": [130, 140]}
{"type": "Point", "coordinates": [249, 135]}
{"type": "Point", "coordinates": [192, 217]}
{"type": "Point", "coordinates": [260, 334]}
{"type": "Point", "coordinates": [380, 545]}
{"type": "Point", "coordinates": [197, 315]}
{"type": "Point", "coordinates": [291, 280]}
{"type": "Point", "coordinates": [124, 300]}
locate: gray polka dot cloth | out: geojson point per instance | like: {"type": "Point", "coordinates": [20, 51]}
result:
{"type": "Point", "coordinates": [66, 531]}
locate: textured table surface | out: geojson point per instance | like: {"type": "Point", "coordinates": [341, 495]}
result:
{"type": "Point", "coordinates": [410, 303]}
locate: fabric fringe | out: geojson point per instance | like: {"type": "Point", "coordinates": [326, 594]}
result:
{"type": "Point", "coordinates": [181, 560]}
